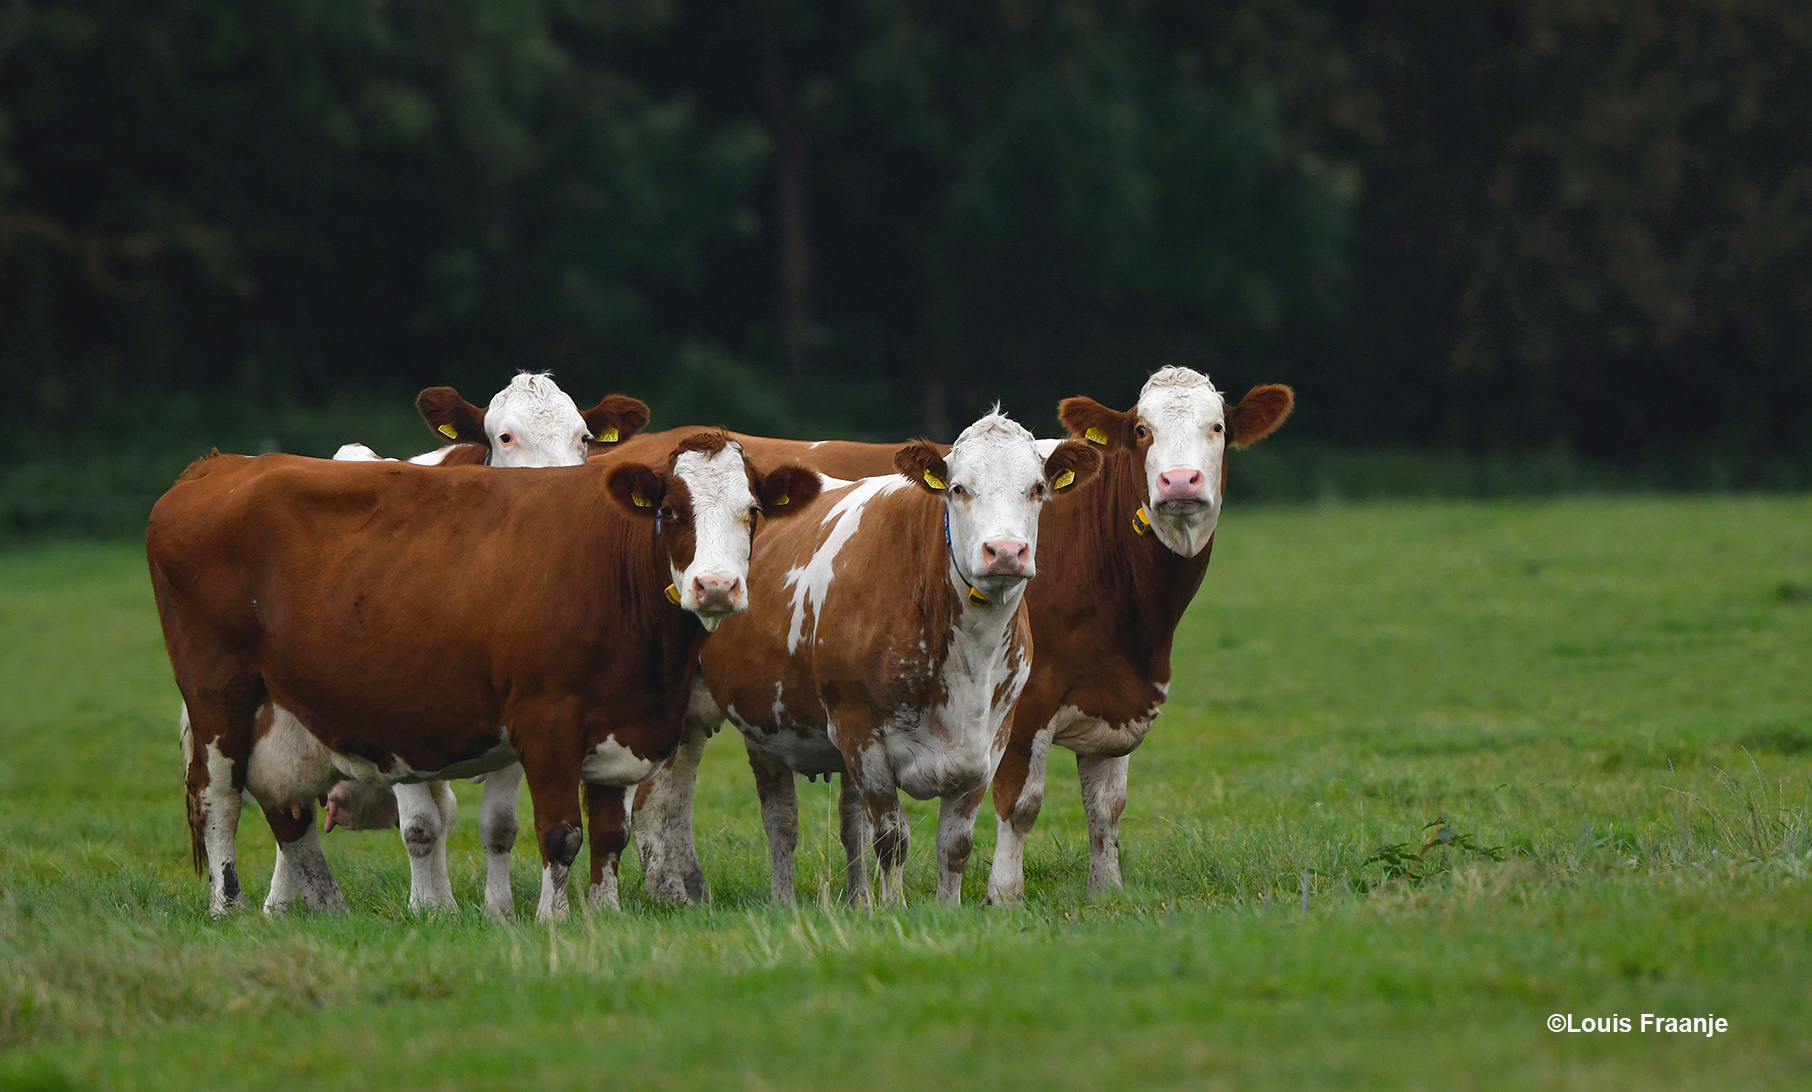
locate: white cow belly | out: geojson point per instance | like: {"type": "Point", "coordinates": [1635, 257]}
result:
{"type": "Point", "coordinates": [288, 766]}
{"type": "Point", "coordinates": [611, 763]}
{"type": "Point", "coordinates": [1086, 735]}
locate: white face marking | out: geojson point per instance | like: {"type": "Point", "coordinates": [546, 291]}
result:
{"type": "Point", "coordinates": [811, 581]}
{"type": "Point", "coordinates": [532, 422]}
{"type": "Point", "coordinates": [721, 532]}
{"type": "Point", "coordinates": [994, 494]}
{"type": "Point", "coordinates": [611, 763]}
{"type": "Point", "coordinates": [1182, 410]}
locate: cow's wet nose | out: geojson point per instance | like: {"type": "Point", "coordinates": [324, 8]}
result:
{"type": "Point", "coordinates": [717, 593]}
{"type": "Point", "coordinates": [1006, 557]}
{"type": "Point", "coordinates": [1180, 484]}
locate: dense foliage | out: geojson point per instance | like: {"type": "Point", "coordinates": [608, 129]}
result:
{"type": "Point", "coordinates": [1496, 226]}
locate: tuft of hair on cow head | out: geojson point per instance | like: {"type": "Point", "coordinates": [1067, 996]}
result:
{"type": "Point", "coordinates": [1259, 414]}
{"type": "Point", "coordinates": [921, 463]}
{"type": "Point", "coordinates": [615, 419]}
{"type": "Point", "coordinates": [786, 489]}
{"type": "Point", "coordinates": [1071, 464]}
{"type": "Point", "coordinates": [452, 417]}
{"type": "Point", "coordinates": [1106, 428]}
{"type": "Point", "coordinates": [637, 489]}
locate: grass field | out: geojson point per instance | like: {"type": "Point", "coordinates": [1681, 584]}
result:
{"type": "Point", "coordinates": [1607, 704]}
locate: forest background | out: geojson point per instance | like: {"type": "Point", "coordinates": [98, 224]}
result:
{"type": "Point", "coordinates": [1498, 246]}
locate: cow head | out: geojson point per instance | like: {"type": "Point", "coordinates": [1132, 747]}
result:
{"type": "Point", "coordinates": [1178, 434]}
{"type": "Point", "coordinates": [706, 505]}
{"type": "Point", "coordinates": [994, 483]}
{"type": "Point", "coordinates": [532, 422]}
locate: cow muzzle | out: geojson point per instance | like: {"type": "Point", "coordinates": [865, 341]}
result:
{"type": "Point", "coordinates": [1181, 489]}
{"type": "Point", "coordinates": [715, 594]}
{"type": "Point", "coordinates": [1006, 557]}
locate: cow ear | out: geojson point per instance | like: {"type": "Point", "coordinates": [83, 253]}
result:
{"type": "Point", "coordinates": [920, 462]}
{"type": "Point", "coordinates": [637, 489]}
{"type": "Point", "coordinates": [616, 419]}
{"type": "Point", "coordinates": [451, 416]}
{"type": "Point", "coordinates": [787, 489]}
{"type": "Point", "coordinates": [1259, 414]}
{"type": "Point", "coordinates": [1072, 463]}
{"type": "Point", "coordinates": [1089, 420]}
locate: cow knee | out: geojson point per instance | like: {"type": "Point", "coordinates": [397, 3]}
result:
{"type": "Point", "coordinates": [420, 835]}
{"type": "Point", "coordinates": [560, 844]}
{"type": "Point", "coordinates": [890, 840]}
{"type": "Point", "coordinates": [500, 835]}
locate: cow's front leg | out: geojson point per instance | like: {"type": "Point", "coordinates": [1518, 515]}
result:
{"type": "Point", "coordinates": [550, 765]}
{"type": "Point", "coordinates": [607, 809]}
{"type": "Point", "coordinates": [663, 816]}
{"type": "Point", "coordinates": [853, 829]}
{"type": "Point", "coordinates": [425, 814]}
{"type": "Point", "coordinates": [955, 841]}
{"type": "Point", "coordinates": [1018, 794]}
{"type": "Point", "coordinates": [497, 830]}
{"type": "Point", "coordinates": [779, 819]}
{"type": "Point", "coordinates": [1103, 800]}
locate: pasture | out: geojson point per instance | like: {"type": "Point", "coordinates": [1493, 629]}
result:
{"type": "Point", "coordinates": [1595, 713]}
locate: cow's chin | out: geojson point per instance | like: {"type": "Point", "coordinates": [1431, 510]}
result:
{"type": "Point", "coordinates": [711, 618]}
{"type": "Point", "coordinates": [1184, 527]}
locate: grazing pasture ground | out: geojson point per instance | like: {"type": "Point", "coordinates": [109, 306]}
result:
{"type": "Point", "coordinates": [1595, 713]}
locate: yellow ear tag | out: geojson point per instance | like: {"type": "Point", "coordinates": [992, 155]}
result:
{"type": "Point", "coordinates": [932, 480]}
{"type": "Point", "coordinates": [1064, 479]}
{"type": "Point", "coordinates": [977, 597]}
{"type": "Point", "coordinates": [1141, 523]}
{"type": "Point", "coordinates": [609, 435]}
{"type": "Point", "coordinates": [641, 501]}
{"type": "Point", "coordinates": [449, 432]}
{"type": "Point", "coordinates": [1096, 435]}
{"type": "Point", "coordinates": [673, 595]}
{"type": "Point", "coordinates": [781, 501]}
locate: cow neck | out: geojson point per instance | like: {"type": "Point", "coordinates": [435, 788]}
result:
{"type": "Point", "coordinates": [642, 576]}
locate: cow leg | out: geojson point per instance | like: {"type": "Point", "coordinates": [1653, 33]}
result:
{"type": "Point", "coordinates": [422, 821]}
{"type": "Point", "coordinates": [497, 830]}
{"type": "Point", "coordinates": [1103, 800]}
{"type": "Point", "coordinates": [1018, 794]}
{"type": "Point", "coordinates": [302, 865]}
{"type": "Point", "coordinates": [779, 818]}
{"type": "Point", "coordinates": [607, 811]}
{"type": "Point", "coordinates": [853, 829]}
{"type": "Point", "coordinates": [217, 734]}
{"type": "Point", "coordinates": [663, 812]}
{"type": "Point", "coordinates": [955, 841]}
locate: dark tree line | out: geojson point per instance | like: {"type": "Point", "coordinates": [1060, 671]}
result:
{"type": "Point", "coordinates": [1494, 225]}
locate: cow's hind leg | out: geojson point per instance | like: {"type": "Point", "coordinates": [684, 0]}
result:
{"type": "Point", "coordinates": [1103, 800]}
{"type": "Point", "coordinates": [779, 818]}
{"type": "Point", "coordinates": [607, 812]}
{"type": "Point", "coordinates": [955, 841]}
{"type": "Point", "coordinates": [217, 734]}
{"type": "Point", "coordinates": [1018, 794]}
{"type": "Point", "coordinates": [853, 829]}
{"type": "Point", "coordinates": [497, 830]}
{"type": "Point", "coordinates": [302, 864]}
{"type": "Point", "coordinates": [424, 818]}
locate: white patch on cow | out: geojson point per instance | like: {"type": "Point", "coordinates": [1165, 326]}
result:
{"type": "Point", "coordinates": [721, 499]}
{"type": "Point", "coordinates": [358, 453]}
{"type": "Point", "coordinates": [954, 747]}
{"type": "Point", "coordinates": [811, 582]}
{"type": "Point", "coordinates": [1094, 736]}
{"type": "Point", "coordinates": [435, 457]}
{"type": "Point", "coordinates": [996, 490]}
{"type": "Point", "coordinates": [1181, 408]}
{"type": "Point", "coordinates": [220, 825]}
{"type": "Point", "coordinates": [611, 763]}
{"type": "Point", "coordinates": [288, 767]}
{"type": "Point", "coordinates": [532, 422]}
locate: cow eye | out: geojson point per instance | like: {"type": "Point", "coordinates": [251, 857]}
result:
{"type": "Point", "coordinates": [504, 437]}
{"type": "Point", "coordinates": [1038, 490]}
{"type": "Point", "coordinates": [958, 491]}
{"type": "Point", "coordinates": [754, 510]}
{"type": "Point", "coordinates": [1217, 426]}
{"type": "Point", "coordinates": [1142, 431]}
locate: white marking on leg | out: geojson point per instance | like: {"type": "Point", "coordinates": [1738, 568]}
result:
{"type": "Point", "coordinates": [419, 822]}
{"type": "Point", "coordinates": [497, 830]}
{"type": "Point", "coordinates": [1103, 800]}
{"type": "Point", "coordinates": [955, 841]}
{"type": "Point", "coordinates": [314, 882]}
{"type": "Point", "coordinates": [283, 887]}
{"type": "Point", "coordinates": [663, 820]}
{"type": "Point", "coordinates": [220, 804]}
{"type": "Point", "coordinates": [1007, 875]}
{"type": "Point", "coordinates": [552, 907]}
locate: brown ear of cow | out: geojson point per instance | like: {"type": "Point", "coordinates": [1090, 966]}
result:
{"type": "Point", "coordinates": [1259, 414]}
{"type": "Point", "coordinates": [637, 489]}
{"type": "Point", "coordinates": [920, 462]}
{"type": "Point", "coordinates": [618, 411]}
{"type": "Point", "coordinates": [450, 416]}
{"type": "Point", "coordinates": [787, 489]}
{"type": "Point", "coordinates": [1071, 464]}
{"type": "Point", "coordinates": [1089, 420]}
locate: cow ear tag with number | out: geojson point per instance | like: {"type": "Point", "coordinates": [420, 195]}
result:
{"type": "Point", "coordinates": [641, 501]}
{"type": "Point", "coordinates": [1095, 435]}
{"type": "Point", "coordinates": [449, 432]}
{"type": "Point", "coordinates": [609, 435]}
{"type": "Point", "coordinates": [673, 594]}
{"type": "Point", "coordinates": [933, 481]}
{"type": "Point", "coordinates": [1141, 522]}
{"type": "Point", "coordinates": [1064, 479]}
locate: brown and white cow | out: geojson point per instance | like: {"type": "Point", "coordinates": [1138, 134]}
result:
{"type": "Point", "coordinates": [424, 623]}
{"type": "Point", "coordinates": [889, 642]}
{"type": "Point", "coordinates": [1120, 563]}
{"type": "Point", "coordinates": [530, 423]}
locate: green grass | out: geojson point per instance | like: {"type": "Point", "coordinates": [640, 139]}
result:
{"type": "Point", "coordinates": [1608, 703]}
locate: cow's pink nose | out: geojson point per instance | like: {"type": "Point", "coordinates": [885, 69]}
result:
{"type": "Point", "coordinates": [1005, 557]}
{"type": "Point", "coordinates": [1180, 483]}
{"type": "Point", "coordinates": [717, 593]}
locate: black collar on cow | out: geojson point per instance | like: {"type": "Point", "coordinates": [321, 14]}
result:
{"type": "Point", "coordinates": [974, 595]}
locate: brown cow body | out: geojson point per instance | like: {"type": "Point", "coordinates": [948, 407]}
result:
{"type": "Point", "coordinates": [424, 623]}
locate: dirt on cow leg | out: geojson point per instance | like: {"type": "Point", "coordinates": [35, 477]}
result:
{"type": "Point", "coordinates": [607, 811]}
{"type": "Point", "coordinates": [663, 824]}
{"type": "Point", "coordinates": [854, 830]}
{"type": "Point", "coordinates": [955, 841]}
{"type": "Point", "coordinates": [779, 819]}
{"type": "Point", "coordinates": [1103, 800]}
{"type": "Point", "coordinates": [301, 870]}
